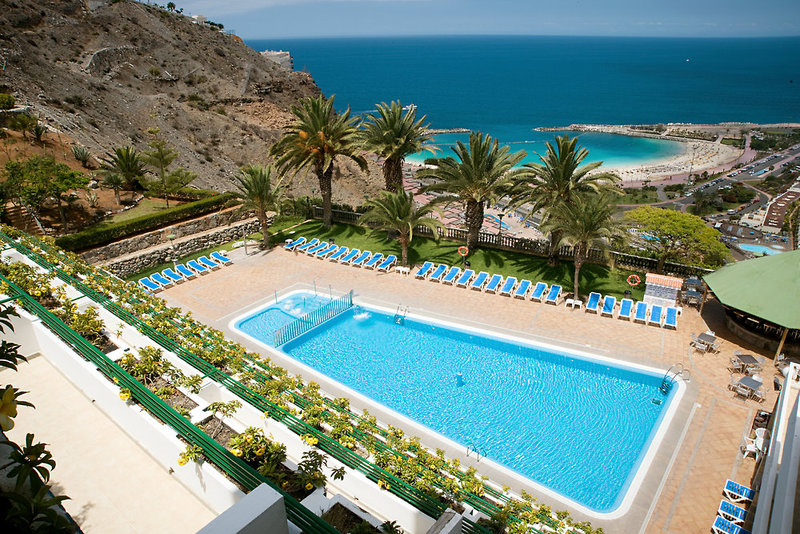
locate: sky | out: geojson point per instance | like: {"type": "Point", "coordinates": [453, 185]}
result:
{"type": "Point", "coordinates": [277, 19]}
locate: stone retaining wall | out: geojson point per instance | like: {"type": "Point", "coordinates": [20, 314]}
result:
{"type": "Point", "coordinates": [158, 237]}
{"type": "Point", "coordinates": [134, 263]}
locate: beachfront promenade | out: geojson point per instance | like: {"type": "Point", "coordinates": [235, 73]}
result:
{"type": "Point", "coordinates": [682, 490]}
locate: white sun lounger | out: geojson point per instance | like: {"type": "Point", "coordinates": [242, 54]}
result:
{"type": "Point", "coordinates": [305, 246]}
{"type": "Point", "coordinates": [220, 258]}
{"type": "Point", "coordinates": [655, 315]}
{"type": "Point", "coordinates": [437, 275]}
{"type": "Point", "coordinates": [339, 254]}
{"type": "Point", "coordinates": [172, 276]}
{"type": "Point", "coordinates": [641, 312]}
{"type": "Point", "coordinates": [538, 292]}
{"type": "Point", "coordinates": [609, 303]}
{"type": "Point", "coordinates": [149, 286]}
{"type": "Point", "coordinates": [324, 253]}
{"type": "Point", "coordinates": [350, 256]}
{"type": "Point", "coordinates": [196, 267]}
{"type": "Point", "coordinates": [479, 281]}
{"type": "Point", "coordinates": [205, 262]}
{"type": "Point", "coordinates": [387, 263]}
{"type": "Point", "coordinates": [508, 286]}
{"type": "Point", "coordinates": [671, 318]}
{"type": "Point", "coordinates": [625, 309]}
{"type": "Point", "coordinates": [493, 283]}
{"type": "Point", "coordinates": [373, 261]}
{"type": "Point", "coordinates": [553, 295]}
{"type": "Point", "coordinates": [425, 270]}
{"type": "Point", "coordinates": [522, 289]}
{"type": "Point", "coordinates": [593, 303]}
{"type": "Point", "coordinates": [359, 261]}
{"type": "Point", "coordinates": [296, 243]}
{"type": "Point", "coordinates": [185, 271]}
{"type": "Point", "coordinates": [737, 493]}
{"type": "Point", "coordinates": [313, 250]}
{"type": "Point", "coordinates": [731, 512]}
{"type": "Point", "coordinates": [451, 275]}
{"type": "Point", "coordinates": [161, 280]}
{"type": "Point", "coordinates": [465, 278]}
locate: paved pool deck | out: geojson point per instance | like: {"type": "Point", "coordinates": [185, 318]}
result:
{"type": "Point", "coordinates": [682, 489]}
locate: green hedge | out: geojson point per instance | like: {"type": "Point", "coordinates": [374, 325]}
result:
{"type": "Point", "coordinates": [102, 234]}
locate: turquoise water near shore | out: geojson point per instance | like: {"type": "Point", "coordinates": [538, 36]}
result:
{"type": "Point", "coordinates": [506, 86]}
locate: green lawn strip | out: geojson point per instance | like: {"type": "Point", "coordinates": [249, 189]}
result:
{"type": "Point", "coordinates": [279, 226]}
{"type": "Point", "coordinates": [145, 207]}
{"type": "Point", "coordinates": [600, 278]}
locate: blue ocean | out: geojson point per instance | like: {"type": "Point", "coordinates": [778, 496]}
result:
{"type": "Point", "coordinates": [508, 85]}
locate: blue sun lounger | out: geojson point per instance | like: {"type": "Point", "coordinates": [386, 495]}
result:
{"type": "Point", "coordinates": [465, 278]}
{"type": "Point", "coordinates": [149, 286]}
{"type": "Point", "coordinates": [322, 254]}
{"type": "Point", "coordinates": [655, 315]}
{"type": "Point", "coordinates": [479, 281]}
{"type": "Point", "coordinates": [204, 261]}
{"type": "Point", "coordinates": [671, 318]}
{"type": "Point", "coordinates": [185, 271]}
{"type": "Point", "coordinates": [522, 289]}
{"type": "Point", "coordinates": [387, 263]}
{"type": "Point", "coordinates": [552, 296]}
{"type": "Point", "coordinates": [493, 283]}
{"type": "Point", "coordinates": [359, 261]}
{"type": "Point", "coordinates": [220, 258]}
{"type": "Point", "coordinates": [336, 256]}
{"type": "Point", "coordinates": [313, 250]}
{"type": "Point", "coordinates": [350, 256]}
{"type": "Point", "coordinates": [737, 493]}
{"type": "Point", "coordinates": [593, 304]}
{"type": "Point", "coordinates": [172, 276]}
{"type": "Point", "coordinates": [296, 243]}
{"type": "Point", "coordinates": [425, 270]}
{"type": "Point", "coordinates": [196, 267]}
{"type": "Point", "coordinates": [731, 512]}
{"type": "Point", "coordinates": [161, 280]}
{"type": "Point", "coordinates": [641, 312]}
{"type": "Point", "coordinates": [508, 286]}
{"type": "Point", "coordinates": [625, 309]}
{"type": "Point", "coordinates": [436, 276]}
{"type": "Point", "coordinates": [451, 275]}
{"type": "Point", "coordinates": [538, 291]}
{"type": "Point", "coordinates": [374, 260]}
{"type": "Point", "coordinates": [723, 526]}
{"type": "Point", "coordinates": [303, 247]}
{"type": "Point", "coordinates": [609, 303]}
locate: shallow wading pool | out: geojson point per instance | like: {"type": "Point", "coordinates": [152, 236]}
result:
{"type": "Point", "coordinates": [577, 424]}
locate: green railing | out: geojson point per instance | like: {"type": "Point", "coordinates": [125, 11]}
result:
{"type": "Point", "coordinates": [312, 319]}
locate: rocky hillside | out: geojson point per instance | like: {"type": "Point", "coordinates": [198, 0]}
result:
{"type": "Point", "coordinates": [105, 72]}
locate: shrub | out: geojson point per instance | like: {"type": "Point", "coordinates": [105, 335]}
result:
{"type": "Point", "coordinates": [104, 234]}
{"type": "Point", "coordinates": [7, 101]}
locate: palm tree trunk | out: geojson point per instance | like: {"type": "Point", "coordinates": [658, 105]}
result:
{"type": "Point", "coordinates": [661, 260]}
{"type": "Point", "coordinates": [474, 220]}
{"type": "Point", "coordinates": [555, 240]}
{"type": "Point", "coordinates": [393, 174]}
{"type": "Point", "coordinates": [262, 218]}
{"type": "Point", "coordinates": [116, 196]}
{"type": "Point", "coordinates": [579, 259]}
{"type": "Point", "coordinates": [325, 178]}
{"type": "Point", "coordinates": [403, 249]}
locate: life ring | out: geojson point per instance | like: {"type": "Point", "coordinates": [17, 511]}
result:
{"type": "Point", "coordinates": [463, 251]}
{"type": "Point", "coordinates": [634, 280]}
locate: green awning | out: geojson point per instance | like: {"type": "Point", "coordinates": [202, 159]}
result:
{"type": "Point", "coordinates": [767, 287]}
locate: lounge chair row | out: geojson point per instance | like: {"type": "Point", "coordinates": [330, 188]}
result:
{"type": "Point", "coordinates": [169, 277]}
{"type": "Point", "coordinates": [341, 254]}
{"type": "Point", "coordinates": [731, 517]}
{"type": "Point", "coordinates": [641, 312]}
{"type": "Point", "coordinates": [483, 281]}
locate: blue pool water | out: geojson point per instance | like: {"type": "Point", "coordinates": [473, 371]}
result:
{"type": "Point", "coordinates": [577, 426]}
{"type": "Point", "coordinates": [497, 220]}
{"type": "Point", "coordinates": [760, 249]}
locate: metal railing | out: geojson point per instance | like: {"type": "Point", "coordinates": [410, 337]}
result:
{"type": "Point", "coordinates": [312, 319]}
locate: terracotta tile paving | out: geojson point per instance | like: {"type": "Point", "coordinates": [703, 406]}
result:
{"type": "Point", "coordinates": [709, 452]}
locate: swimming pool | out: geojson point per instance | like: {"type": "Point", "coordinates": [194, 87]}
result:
{"type": "Point", "coordinates": [577, 425]}
{"type": "Point", "coordinates": [497, 220]}
{"type": "Point", "coordinates": [760, 249]}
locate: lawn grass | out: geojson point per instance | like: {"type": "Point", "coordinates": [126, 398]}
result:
{"type": "Point", "coordinates": [145, 207]}
{"type": "Point", "coordinates": [637, 197]}
{"type": "Point", "coordinates": [594, 277]}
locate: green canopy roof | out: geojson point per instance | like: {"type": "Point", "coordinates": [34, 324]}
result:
{"type": "Point", "coordinates": [767, 287]}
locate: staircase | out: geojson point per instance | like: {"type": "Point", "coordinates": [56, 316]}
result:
{"type": "Point", "coordinates": [20, 217]}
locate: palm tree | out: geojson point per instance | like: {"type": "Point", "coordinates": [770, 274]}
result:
{"type": "Point", "coordinates": [393, 135]}
{"type": "Point", "coordinates": [260, 194]}
{"type": "Point", "coordinates": [317, 136]}
{"type": "Point", "coordinates": [397, 212]}
{"type": "Point", "coordinates": [114, 181]}
{"type": "Point", "coordinates": [480, 173]}
{"type": "Point", "coordinates": [587, 221]}
{"type": "Point", "coordinates": [127, 163]}
{"type": "Point", "coordinates": [556, 181]}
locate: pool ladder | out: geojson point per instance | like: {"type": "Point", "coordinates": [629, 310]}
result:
{"type": "Point", "coordinates": [400, 314]}
{"type": "Point", "coordinates": [480, 452]}
{"type": "Point", "coordinates": [673, 373]}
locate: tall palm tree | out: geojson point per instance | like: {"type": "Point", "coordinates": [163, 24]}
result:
{"type": "Point", "coordinates": [128, 164]}
{"type": "Point", "coordinates": [397, 212]}
{"type": "Point", "coordinates": [394, 134]}
{"type": "Point", "coordinates": [557, 180]}
{"type": "Point", "coordinates": [478, 174]}
{"type": "Point", "coordinates": [587, 221]}
{"type": "Point", "coordinates": [316, 138]}
{"type": "Point", "coordinates": [260, 194]}
{"type": "Point", "coordinates": [116, 182]}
